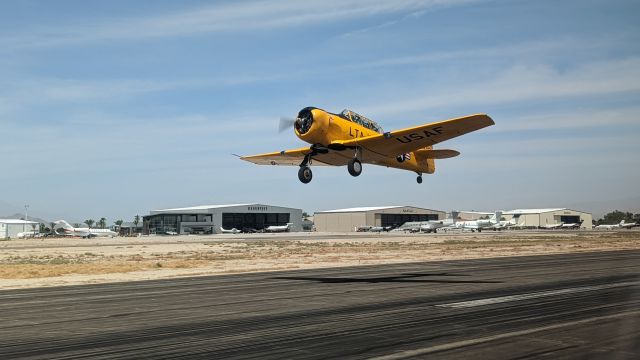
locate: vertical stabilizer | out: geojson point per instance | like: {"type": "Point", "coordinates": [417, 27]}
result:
{"type": "Point", "coordinates": [63, 224]}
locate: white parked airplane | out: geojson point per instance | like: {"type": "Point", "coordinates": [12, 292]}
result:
{"type": "Point", "coordinates": [572, 225]}
{"type": "Point", "coordinates": [28, 234]}
{"type": "Point", "coordinates": [428, 226]}
{"type": "Point", "coordinates": [506, 224]}
{"type": "Point", "coordinates": [230, 231]}
{"type": "Point", "coordinates": [482, 224]}
{"type": "Point", "coordinates": [620, 225]}
{"type": "Point", "coordinates": [69, 230]}
{"type": "Point", "coordinates": [282, 228]}
{"type": "Point", "coordinates": [553, 226]}
{"type": "Point", "coordinates": [379, 228]}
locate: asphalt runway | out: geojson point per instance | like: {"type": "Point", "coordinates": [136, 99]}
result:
{"type": "Point", "coordinates": [556, 306]}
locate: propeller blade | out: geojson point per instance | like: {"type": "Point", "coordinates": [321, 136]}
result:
{"type": "Point", "coordinates": [285, 124]}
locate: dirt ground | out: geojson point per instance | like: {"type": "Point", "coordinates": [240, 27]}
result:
{"type": "Point", "coordinates": [71, 261]}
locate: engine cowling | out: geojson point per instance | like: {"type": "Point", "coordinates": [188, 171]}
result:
{"type": "Point", "coordinates": [311, 126]}
{"type": "Point", "coordinates": [304, 121]}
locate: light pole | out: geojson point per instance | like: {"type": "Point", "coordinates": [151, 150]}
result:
{"type": "Point", "coordinates": [26, 217]}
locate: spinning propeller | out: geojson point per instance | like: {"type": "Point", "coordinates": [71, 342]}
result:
{"type": "Point", "coordinates": [286, 123]}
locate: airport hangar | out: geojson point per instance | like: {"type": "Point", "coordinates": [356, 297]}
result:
{"type": "Point", "coordinates": [9, 228]}
{"type": "Point", "coordinates": [535, 218]}
{"type": "Point", "coordinates": [349, 220]}
{"type": "Point", "coordinates": [208, 219]}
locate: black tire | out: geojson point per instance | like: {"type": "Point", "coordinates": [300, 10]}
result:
{"type": "Point", "coordinates": [305, 175]}
{"type": "Point", "coordinates": [419, 179]}
{"type": "Point", "coordinates": [355, 167]}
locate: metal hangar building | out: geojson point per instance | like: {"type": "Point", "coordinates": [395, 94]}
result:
{"type": "Point", "coordinates": [210, 219]}
{"type": "Point", "coordinates": [10, 228]}
{"type": "Point", "coordinates": [349, 220]}
{"type": "Point", "coordinates": [534, 218]}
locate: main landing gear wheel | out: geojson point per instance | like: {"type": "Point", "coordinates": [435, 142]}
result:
{"type": "Point", "coordinates": [355, 167]}
{"type": "Point", "coordinates": [305, 174]}
{"type": "Point", "coordinates": [419, 179]}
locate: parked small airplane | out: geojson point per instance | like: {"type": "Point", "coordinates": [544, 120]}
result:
{"type": "Point", "coordinates": [552, 226]}
{"type": "Point", "coordinates": [28, 234]}
{"type": "Point", "coordinates": [620, 225]}
{"type": "Point", "coordinates": [282, 228]}
{"type": "Point", "coordinates": [506, 224]}
{"type": "Point", "coordinates": [428, 226]}
{"type": "Point", "coordinates": [351, 139]}
{"type": "Point", "coordinates": [62, 227]}
{"type": "Point", "coordinates": [481, 224]}
{"type": "Point", "coordinates": [572, 225]}
{"type": "Point", "coordinates": [230, 231]}
{"type": "Point", "coordinates": [380, 228]}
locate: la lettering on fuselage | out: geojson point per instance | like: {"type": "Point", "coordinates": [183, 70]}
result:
{"type": "Point", "coordinates": [419, 136]}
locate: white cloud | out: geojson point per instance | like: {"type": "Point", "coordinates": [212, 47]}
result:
{"type": "Point", "coordinates": [523, 83]}
{"type": "Point", "coordinates": [576, 119]}
{"type": "Point", "coordinates": [45, 90]}
{"type": "Point", "coordinates": [522, 50]}
{"type": "Point", "coordinates": [245, 16]}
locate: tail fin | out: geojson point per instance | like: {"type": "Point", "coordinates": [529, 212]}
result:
{"type": "Point", "coordinates": [622, 222]}
{"type": "Point", "coordinates": [497, 216]}
{"type": "Point", "coordinates": [63, 224]}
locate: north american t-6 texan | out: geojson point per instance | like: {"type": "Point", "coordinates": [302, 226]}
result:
{"type": "Point", "coordinates": [351, 139]}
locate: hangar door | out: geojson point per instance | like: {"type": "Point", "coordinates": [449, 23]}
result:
{"type": "Point", "coordinates": [399, 219]}
{"type": "Point", "coordinates": [256, 221]}
{"type": "Point", "coordinates": [570, 219]}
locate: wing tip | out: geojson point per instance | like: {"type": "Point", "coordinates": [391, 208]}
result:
{"type": "Point", "coordinates": [486, 117]}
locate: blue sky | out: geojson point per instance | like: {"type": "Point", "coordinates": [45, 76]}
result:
{"type": "Point", "coordinates": [116, 108]}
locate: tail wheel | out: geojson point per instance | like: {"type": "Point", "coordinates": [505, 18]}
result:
{"type": "Point", "coordinates": [304, 174]}
{"type": "Point", "coordinates": [419, 179]}
{"type": "Point", "coordinates": [355, 167]}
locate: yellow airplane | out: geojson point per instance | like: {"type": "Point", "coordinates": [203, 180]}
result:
{"type": "Point", "coordinates": [352, 139]}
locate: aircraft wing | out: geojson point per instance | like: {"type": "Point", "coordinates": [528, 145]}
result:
{"type": "Point", "coordinates": [294, 158]}
{"type": "Point", "coordinates": [411, 139]}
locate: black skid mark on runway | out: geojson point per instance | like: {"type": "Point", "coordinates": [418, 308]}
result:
{"type": "Point", "coordinates": [404, 278]}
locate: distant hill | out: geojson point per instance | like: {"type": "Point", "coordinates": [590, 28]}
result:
{"type": "Point", "coordinates": [31, 218]}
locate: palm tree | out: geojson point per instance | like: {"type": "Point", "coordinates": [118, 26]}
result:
{"type": "Point", "coordinates": [136, 220]}
{"type": "Point", "coordinates": [118, 224]}
{"type": "Point", "coordinates": [89, 222]}
{"type": "Point", "coordinates": [102, 223]}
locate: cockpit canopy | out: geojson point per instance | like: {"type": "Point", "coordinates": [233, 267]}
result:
{"type": "Point", "coordinates": [362, 120]}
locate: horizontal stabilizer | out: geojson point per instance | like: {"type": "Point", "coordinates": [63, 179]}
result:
{"type": "Point", "coordinates": [438, 154]}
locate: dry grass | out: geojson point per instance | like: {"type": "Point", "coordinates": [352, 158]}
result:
{"type": "Point", "coordinates": [179, 258]}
